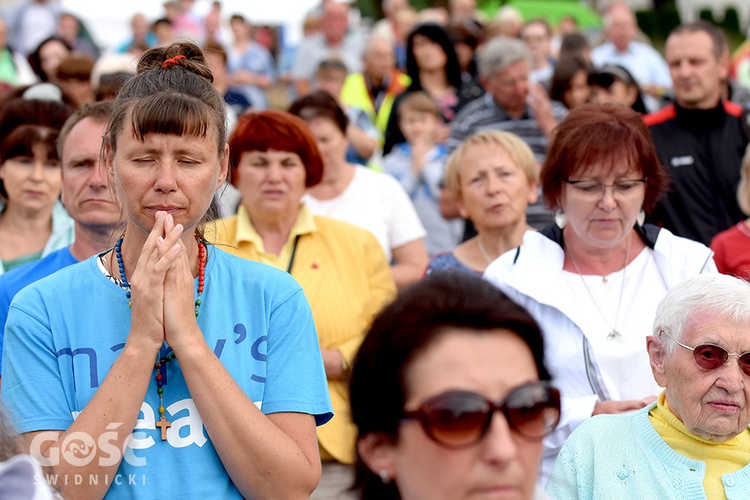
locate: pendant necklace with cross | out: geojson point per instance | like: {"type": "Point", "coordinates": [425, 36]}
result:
{"type": "Point", "coordinates": [160, 367]}
{"type": "Point", "coordinates": [163, 423]}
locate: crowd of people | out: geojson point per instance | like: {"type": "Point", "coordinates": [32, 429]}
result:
{"type": "Point", "coordinates": [435, 256]}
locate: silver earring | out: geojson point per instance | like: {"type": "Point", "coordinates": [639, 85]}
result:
{"type": "Point", "coordinates": [641, 218]}
{"type": "Point", "coordinates": [561, 219]}
{"type": "Point", "coordinates": [384, 477]}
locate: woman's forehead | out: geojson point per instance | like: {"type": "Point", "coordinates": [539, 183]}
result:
{"type": "Point", "coordinates": [611, 167]}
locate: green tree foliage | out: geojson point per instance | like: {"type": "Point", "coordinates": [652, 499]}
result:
{"type": "Point", "coordinates": [706, 15]}
{"type": "Point", "coordinates": [731, 22]}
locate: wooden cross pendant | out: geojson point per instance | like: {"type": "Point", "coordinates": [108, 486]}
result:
{"type": "Point", "coordinates": [164, 425]}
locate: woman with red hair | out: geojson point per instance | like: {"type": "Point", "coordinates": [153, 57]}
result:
{"type": "Point", "coordinates": [594, 279]}
{"type": "Point", "coordinates": [341, 268]}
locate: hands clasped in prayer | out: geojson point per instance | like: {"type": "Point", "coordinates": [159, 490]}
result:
{"type": "Point", "coordinates": [162, 289]}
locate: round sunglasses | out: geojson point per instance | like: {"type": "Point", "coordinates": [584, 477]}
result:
{"type": "Point", "coordinates": [712, 356]}
{"type": "Point", "coordinates": [459, 419]}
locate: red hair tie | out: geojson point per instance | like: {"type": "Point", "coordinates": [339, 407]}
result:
{"type": "Point", "coordinates": [173, 60]}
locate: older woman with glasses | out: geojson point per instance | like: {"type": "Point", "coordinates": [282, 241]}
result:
{"type": "Point", "coordinates": [451, 396]}
{"type": "Point", "coordinates": [694, 441]}
{"type": "Point", "coordinates": [593, 280]}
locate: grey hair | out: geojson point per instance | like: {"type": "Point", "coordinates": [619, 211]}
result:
{"type": "Point", "coordinates": [378, 36]}
{"type": "Point", "coordinates": [712, 295]}
{"type": "Point", "coordinates": [499, 53]}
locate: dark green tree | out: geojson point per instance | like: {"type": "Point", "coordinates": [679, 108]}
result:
{"type": "Point", "coordinates": [731, 21]}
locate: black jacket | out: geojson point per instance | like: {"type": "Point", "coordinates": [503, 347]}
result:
{"type": "Point", "coordinates": [702, 151]}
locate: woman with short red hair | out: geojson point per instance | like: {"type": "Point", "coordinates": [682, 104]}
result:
{"type": "Point", "coordinates": [594, 279]}
{"type": "Point", "coordinates": [341, 268]}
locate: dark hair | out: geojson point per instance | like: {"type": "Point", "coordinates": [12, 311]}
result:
{"type": "Point", "coordinates": [77, 66]}
{"type": "Point", "coordinates": [35, 60]}
{"type": "Point", "coordinates": [418, 102]}
{"type": "Point", "coordinates": [171, 93]}
{"type": "Point", "coordinates": [565, 70]}
{"type": "Point", "coordinates": [174, 99]}
{"type": "Point", "coordinates": [438, 35]}
{"type": "Point", "coordinates": [541, 22]}
{"type": "Point", "coordinates": [606, 134]}
{"type": "Point", "coordinates": [110, 85]}
{"type": "Point", "coordinates": [26, 122]}
{"type": "Point", "coordinates": [606, 75]}
{"type": "Point", "coordinates": [718, 38]}
{"type": "Point", "coordinates": [468, 32]}
{"type": "Point", "coordinates": [574, 43]}
{"type": "Point", "coordinates": [214, 47]}
{"type": "Point", "coordinates": [331, 64]}
{"type": "Point", "coordinates": [406, 328]}
{"type": "Point", "coordinates": [320, 104]}
{"type": "Point", "coordinates": [98, 111]}
{"type": "Point", "coordinates": [161, 20]}
{"type": "Point", "coordinates": [280, 131]}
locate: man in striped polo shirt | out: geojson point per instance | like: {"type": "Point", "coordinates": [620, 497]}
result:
{"type": "Point", "coordinates": [511, 103]}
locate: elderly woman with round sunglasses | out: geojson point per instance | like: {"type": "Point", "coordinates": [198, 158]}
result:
{"type": "Point", "coordinates": [451, 396]}
{"type": "Point", "coordinates": [694, 441]}
{"type": "Point", "coordinates": [593, 280]}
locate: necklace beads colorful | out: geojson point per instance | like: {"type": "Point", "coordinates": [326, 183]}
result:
{"type": "Point", "coordinates": [201, 270]}
{"type": "Point", "coordinates": [121, 265]}
{"type": "Point", "coordinates": [163, 423]}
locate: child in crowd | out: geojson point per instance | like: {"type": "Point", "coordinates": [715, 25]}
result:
{"type": "Point", "coordinates": [732, 246]}
{"type": "Point", "coordinates": [363, 136]}
{"type": "Point", "coordinates": [418, 165]}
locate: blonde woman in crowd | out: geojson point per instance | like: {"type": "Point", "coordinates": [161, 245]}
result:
{"type": "Point", "coordinates": [493, 177]}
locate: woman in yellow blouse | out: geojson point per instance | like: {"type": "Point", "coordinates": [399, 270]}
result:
{"type": "Point", "coordinates": [341, 268]}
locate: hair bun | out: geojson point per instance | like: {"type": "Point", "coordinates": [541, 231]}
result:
{"type": "Point", "coordinates": [183, 54]}
{"type": "Point", "coordinates": [174, 60]}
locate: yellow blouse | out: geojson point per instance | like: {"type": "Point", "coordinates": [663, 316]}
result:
{"type": "Point", "coordinates": [723, 458]}
{"type": "Point", "coordinates": [343, 271]}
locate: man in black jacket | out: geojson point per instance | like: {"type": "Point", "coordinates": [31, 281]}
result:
{"type": "Point", "coordinates": [700, 139]}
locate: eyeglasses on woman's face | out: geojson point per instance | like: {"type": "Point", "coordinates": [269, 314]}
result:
{"type": "Point", "coordinates": [712, 356]}
{"type": "Point", "coordinates": [460, 419]}
{"type": "Point", "coordinates": [592, 190]}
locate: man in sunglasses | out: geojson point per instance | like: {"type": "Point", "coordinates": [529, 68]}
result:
{"type": "Point", "coordinates": [694, 441]}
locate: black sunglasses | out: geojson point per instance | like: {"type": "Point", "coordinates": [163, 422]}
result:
{"type": "Point", "coordinates": [712, 356]}
{"type": "Point", "coordinates": [459, 419]}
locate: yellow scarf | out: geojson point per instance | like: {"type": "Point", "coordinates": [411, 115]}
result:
{"type": "Point", "coordinates": [720, 458]}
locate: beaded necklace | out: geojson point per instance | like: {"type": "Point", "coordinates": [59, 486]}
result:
{"type": "Point", "coordinates": [161, 364]}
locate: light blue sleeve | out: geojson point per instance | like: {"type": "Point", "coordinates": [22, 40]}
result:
{"type": "Point", "coordinates": [4, 306]}
{"type": "Point", "coordinates": [32, 390]}
{"type": "Point", "coordinates": [397, 164]}
{"type": "Point", "coordinates": [295, 376]}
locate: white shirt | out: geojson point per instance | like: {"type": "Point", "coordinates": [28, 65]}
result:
{"type": "Point", "coordinates": [622, 359]}
{"type": "Point", "coordinates": [376, 202]}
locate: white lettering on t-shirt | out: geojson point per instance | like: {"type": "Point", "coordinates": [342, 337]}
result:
{"type": "Point", "coordinates": [682, 161]}
{"type": "Point", "coordinates": [141, 439]}
{"type": "Point", "coordinates": [192, 421]}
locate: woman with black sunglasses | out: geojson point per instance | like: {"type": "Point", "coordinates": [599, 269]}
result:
{"type": "Point", "coordinates": [451, 396]}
